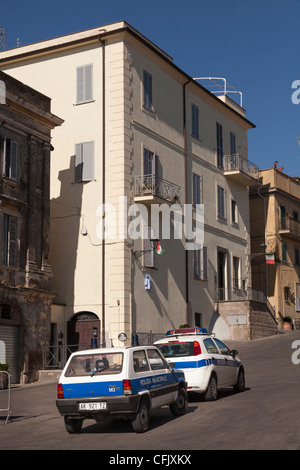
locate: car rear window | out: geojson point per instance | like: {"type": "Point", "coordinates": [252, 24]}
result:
{"type": "Point", "coordinates": [91, 364]}
{"type": "Point", "coordinates": [177, 350]}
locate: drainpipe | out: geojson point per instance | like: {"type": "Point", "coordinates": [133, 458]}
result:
{"type": "Point", "coordinates": [186, 201]}
{"type": "Point", "coordinates": [103, 342]}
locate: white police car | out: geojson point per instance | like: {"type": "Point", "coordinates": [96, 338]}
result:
{"type": "Point", "coordinates": [122, 382]}
{"type": "Point", "coordinates": [208, 364]}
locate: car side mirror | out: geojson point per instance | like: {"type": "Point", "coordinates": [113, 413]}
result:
{"type": "Point", "coordinates": [172, 364]}
{"type": "Point", "coordinates": [233, 353]}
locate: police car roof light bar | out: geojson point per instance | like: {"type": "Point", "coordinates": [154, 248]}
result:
{"type": "Point", "coordinates": [187, 331]}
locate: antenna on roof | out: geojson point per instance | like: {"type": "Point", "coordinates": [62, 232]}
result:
{"type": "Point", "coordinates": [2, 38]}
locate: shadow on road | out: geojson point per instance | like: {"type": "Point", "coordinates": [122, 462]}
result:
{"type": "Point", "coordinates": [158, 417]}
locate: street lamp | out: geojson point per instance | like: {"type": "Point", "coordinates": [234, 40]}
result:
{"type": "Point", "coordinates": [153, 244]}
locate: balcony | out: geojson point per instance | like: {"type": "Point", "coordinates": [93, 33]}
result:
{"type": "Point", "coordinates": [151, 189]}
{"type": "Point", "coordinates": [289, 227]}
{"type": "Point", "coordinates": [241, 170]}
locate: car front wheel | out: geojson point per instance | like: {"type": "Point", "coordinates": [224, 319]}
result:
{"type": "Point", "coordinates": [240, 383]}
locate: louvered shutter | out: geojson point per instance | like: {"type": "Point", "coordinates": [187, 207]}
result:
{"type": "Point", "coordinates": [80, 82]}
{"type": "Point", "coordinates": [13, 241]}
{"type": "Point", "coordinates": [78, 163]}
{"type": "Point", "coordinates": [4, 239]}
{"type": "Point", "coordinates": [84, 77]}
{"type": "Point", "coordinates": [204, 271]}
{"type": "Point", "coordinates": [149, 252]}
{"type": "Point", "coordinates": [88, 161]}
{"type": "Point", "coordinates": [88, 89]}
{"type": "Point", "coordinates": [13, 159]}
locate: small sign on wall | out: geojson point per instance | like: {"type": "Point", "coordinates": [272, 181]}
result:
{"type": "Point", "coordinates": [237, 320]}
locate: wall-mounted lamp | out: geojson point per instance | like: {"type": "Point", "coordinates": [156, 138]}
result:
{"type": "Point", "coordinates": [153, 244]}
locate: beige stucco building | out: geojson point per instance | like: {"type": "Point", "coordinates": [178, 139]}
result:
{"type": "Point", "coordinates": [276, 207]}
{"type": "Point", "coordinates": [138, 130]}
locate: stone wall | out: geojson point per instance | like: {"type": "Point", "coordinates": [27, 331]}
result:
{"type": "Point", "coordinates": [247, 319]}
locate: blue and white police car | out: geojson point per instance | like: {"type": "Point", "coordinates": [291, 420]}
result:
{"type": "Point", "coordinates": [208, 364]}
{"type": "Point", "coordinates": [123, 382]}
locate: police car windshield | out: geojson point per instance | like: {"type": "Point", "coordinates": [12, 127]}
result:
{"type": "Point", "coordinates": [176, 350]}
{"type": "Point", "coordinates": [91, 364]}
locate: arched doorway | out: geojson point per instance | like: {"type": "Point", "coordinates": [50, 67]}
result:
{"type": "Point", "coordinates": [83, 327]}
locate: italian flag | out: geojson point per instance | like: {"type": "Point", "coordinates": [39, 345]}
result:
{"type": "Point", "coordinates": [159, 249]}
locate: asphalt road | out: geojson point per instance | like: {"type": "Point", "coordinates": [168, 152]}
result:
{"type": "Point", "coordinates": [264, 417]}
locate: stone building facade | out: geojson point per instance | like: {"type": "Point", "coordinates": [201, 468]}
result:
{"type": "Point", "coordinates": [25, 274]}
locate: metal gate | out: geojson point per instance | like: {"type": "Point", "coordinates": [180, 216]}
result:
{"type": "Point", "coordinates": [9, 334]}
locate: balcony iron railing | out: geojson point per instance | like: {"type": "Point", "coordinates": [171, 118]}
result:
{"type": "Point", "coordinates": [289, 226]}
{"type": "Point", "coordinates": [232, 295]}
{"type": "Point", "coordinates": [241, 164]}
{"type": "Point", "coordinates": [147, 185]}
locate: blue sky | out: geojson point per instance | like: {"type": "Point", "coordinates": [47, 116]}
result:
{"type": "Point", "coordinates": [254, 44]}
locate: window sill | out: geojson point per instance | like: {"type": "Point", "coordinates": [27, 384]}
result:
{"type": "Point", "coordinates": [84, 102]}
{"type": "Point", "coordinates": [150, 111]}
{"type": "Point", "coordinates": [11, 182]}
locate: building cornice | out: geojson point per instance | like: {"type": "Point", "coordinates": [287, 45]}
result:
{"type": "Point", "coordinates": [102, 33]}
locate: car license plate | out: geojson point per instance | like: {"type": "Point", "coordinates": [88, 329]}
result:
{"type": "Point", "coordinates": [91, 406]}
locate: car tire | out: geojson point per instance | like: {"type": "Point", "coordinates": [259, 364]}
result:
{"type": "Point", "coordinates": [179, 408]}
{"type": "Point", "coordinates": [211, 391]}
{"type": "Point", "coordinates": [240, 383]}
{"type": "Point", "coordinates": [140, 421]}
{"type": "Point", "coordinates": [73, 426]}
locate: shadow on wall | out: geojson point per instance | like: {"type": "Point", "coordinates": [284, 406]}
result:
{"type": "Point", "coordinates": [219, 327]}
{"type": "Point", "coordinates": [65, 212]}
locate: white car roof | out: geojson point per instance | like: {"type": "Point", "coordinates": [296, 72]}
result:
{"type": "Point", "coordinates": [187, 334]}
{"type": "Point", "coordinates": [110, 350]}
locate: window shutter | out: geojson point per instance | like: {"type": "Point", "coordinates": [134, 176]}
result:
{"type": "Point", "coordinates": [4, 239]}
{"type": "Point", "coordinates": [80, 82]}
{"type": "Point", "coordinates": [10, 240]}
{"type": "Point", "coordinates": [78, 163]}
{"type": "Point", "coordinates": [149, 254]}
{"type": "Point", "coordinates": [232, 144]}
{"type": "Point", "coordinates": [204, 263]}
{"type": "Point", "coordinates": [13, 159]}
{"type": "Point", "coordinates": [297, 297]}
{"type": "Point", "coordinates": [88, 161]}
{"type": "Point", "coordinates": [219, 201]}
{"type": "Point", "coordinates": [195, 121]}
{"type": "Point", "coordinates": [13, 241]}
{"type": "Point", "coordinates": [219, 145]}
{"type": "Point", "coordinates": [84, 162]}
{"type": "Point", "coordinates": [84, 91]}
{"type": "Point", "coordinates": [196, 189]}
{"type": "Point", "coordinates": [147, 83]}
{"type": "Point", "coordinates": [88, 83]}
{"type": "Point", "coordinates": [196, 264]}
